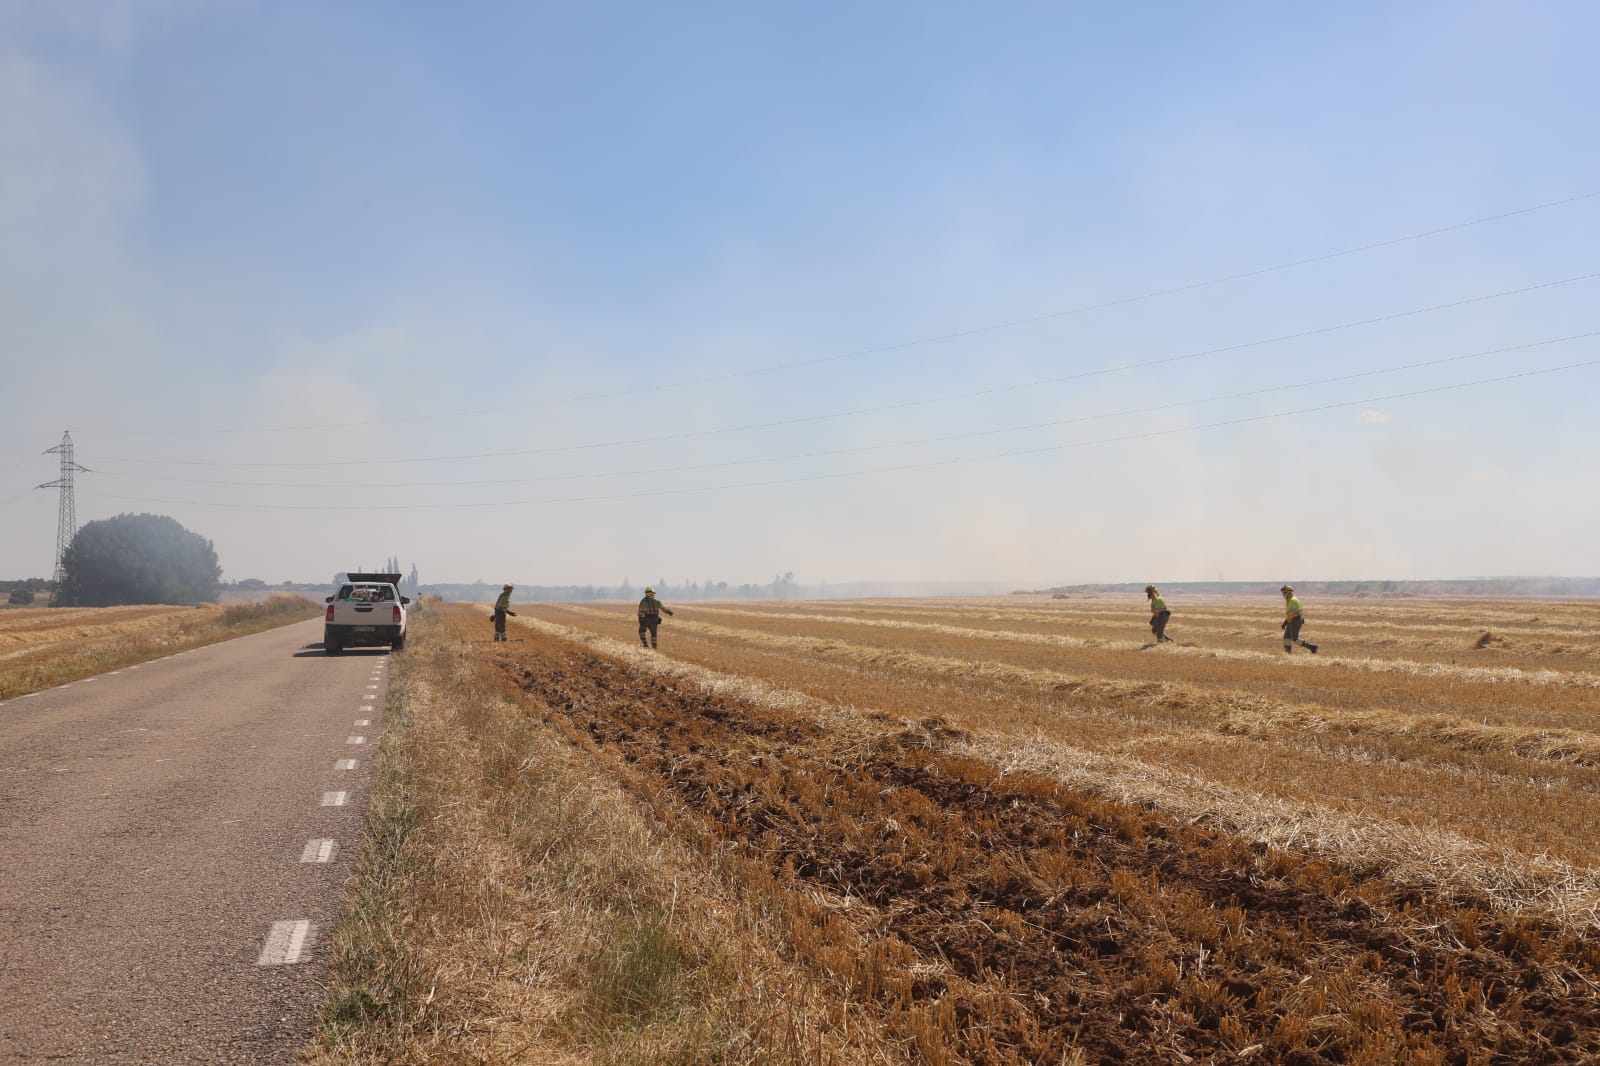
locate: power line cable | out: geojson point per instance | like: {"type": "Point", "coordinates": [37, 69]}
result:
{"type": "Point", "coordinates": [883, 349]}
{"type": "Point", "coordinates": [930, 464]}
{"type": "Point", "coordinates": [24, 459]}
{"type": "Point", "coordinates": [900, 405]}
{"type": "Point", "coordinates": [860, 448]}
{"type": "Point", "coordinates": [27, 457]}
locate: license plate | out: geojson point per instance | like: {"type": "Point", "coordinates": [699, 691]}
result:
{"type": "Point", "coordinates": [365, 629]}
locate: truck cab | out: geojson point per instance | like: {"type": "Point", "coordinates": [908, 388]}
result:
{"type": "Point", "coordinates": [366, 610]}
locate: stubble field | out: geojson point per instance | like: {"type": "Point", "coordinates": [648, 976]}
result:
{"type": "Point", "coordinates": [1013, 831]}
{"type": "Point", "coordinates": [45, 646]}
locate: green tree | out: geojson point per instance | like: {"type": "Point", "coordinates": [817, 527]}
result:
{"type": "Point", "coordinates": [142, 558]}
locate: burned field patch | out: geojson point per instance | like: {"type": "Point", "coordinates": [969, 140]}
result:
{"type": "Point", "coordinates": [1002, 918]}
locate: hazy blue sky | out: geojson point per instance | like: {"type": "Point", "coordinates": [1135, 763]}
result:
{"type": "Point", "coordinates": [599, 236]}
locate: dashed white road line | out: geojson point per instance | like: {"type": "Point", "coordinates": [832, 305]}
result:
{"type": "Point", "coordinates": [372, 686]}
{"type": "Point", "coordinates": [319, 851]}
{"type": "Point", "coordinates": [356, 740]}
{"type": "Point", "coordinates": [363, 721]}
{"type": "Point", "coordinates": [334, 799]}
{"type": "Point", "coordinates": [286, 942]}
{"type": "Point", "coordinates": [345, 764]}
{"type": "Point", "coordinates": [368, 698]}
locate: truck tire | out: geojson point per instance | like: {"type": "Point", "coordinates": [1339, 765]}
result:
{"type": "Point", "coordinates": [399, 644]}
{"type": "Point", "coordinates": [331, 647]}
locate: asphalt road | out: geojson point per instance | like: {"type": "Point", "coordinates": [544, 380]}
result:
{"type": "Point", "coordinates": [156, 825]}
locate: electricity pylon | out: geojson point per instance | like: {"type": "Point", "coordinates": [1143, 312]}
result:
{"type": "Point", "coordinates": [67, 514]}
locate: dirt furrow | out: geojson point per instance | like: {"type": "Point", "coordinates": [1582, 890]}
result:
{"type": "Point", "coordinates": [1233, 712]}
{"type": "Point", "coordinates": [1494, 675]}
{"type": "Point", "coordinates": [1432, 856]}
{"type": "Point", "coordinates": [1442, 632]}
{"type": "Point", "coordinates": [1008, 918]}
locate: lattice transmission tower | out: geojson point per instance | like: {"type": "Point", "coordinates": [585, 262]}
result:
{"type": "Point", "coordinates": [67, 514]}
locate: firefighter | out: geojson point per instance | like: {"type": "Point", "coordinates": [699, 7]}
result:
{"type": "Point", "coordinates": [650, 612]}
{"type": "Point", "coordinates": [1159, 615]}
{"type": "Point", "coordinates": [1293, 619]}
{"type": "Point", "coordinates": [502, 607]}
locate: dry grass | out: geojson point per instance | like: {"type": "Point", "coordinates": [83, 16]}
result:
{"type": "Point", "coordinates": [1559, 637]}
{"type": "Point", "coordinates": [512, 905]}
{"type": "Point", "coordinates": [1498, 674]}
{"type": "Point", "coordinates": [1001, 832]}
{"type": "Point", "coordinates": [998, 912]}
{"type": "Point", "coordinates": [1426, 857]}
{"type": "Point", "coordinates": [1509, 769]}
{"type": "Point", "coordinates": [1235, 712]}
{"type": "Point", "coordinates": [42, 647]}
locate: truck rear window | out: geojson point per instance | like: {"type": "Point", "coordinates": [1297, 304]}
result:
{"type": "Point", "coordinates": [367, 593]}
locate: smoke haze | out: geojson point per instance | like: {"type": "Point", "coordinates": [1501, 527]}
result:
{"type": "Point", "coordinates": [585, 236]}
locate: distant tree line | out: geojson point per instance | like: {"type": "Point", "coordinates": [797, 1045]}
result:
{"type": "Point", "coordinates": [22, 592]}
{"type": "Point", "coordinates": [409, 583]}
{"type": "Point", "coordinates": [781, 587]}
{"type": "Point", "coordinates": [31, 584]}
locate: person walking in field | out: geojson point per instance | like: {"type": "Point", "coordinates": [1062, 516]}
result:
{"type": "Point", "coordinates": [1159, 615]}
{"type": "Point", "coordinates": [650, 611]}
{"type": "Point", "coordinates": [1293, 619]}
{"type": "Point", "coordinates": [502, 607]}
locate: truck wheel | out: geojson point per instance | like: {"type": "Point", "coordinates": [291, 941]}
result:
{"type": "Point", "coordinates": [398, 645]}
{"type": "Point", "coordinates": [331, 647]}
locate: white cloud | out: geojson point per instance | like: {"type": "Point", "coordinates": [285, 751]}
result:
{"type": "Point", "coordinates": [1375, 417]}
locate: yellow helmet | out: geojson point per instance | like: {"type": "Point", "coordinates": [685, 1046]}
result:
{"type": "Point", "coordinates": [648, 591]}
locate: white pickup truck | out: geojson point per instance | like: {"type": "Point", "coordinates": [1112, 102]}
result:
{"type": "Point", "coordinates": [367, 610]}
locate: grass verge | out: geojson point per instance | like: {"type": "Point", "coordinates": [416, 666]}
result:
{"type": "Point", "coordinates": [512, 904]}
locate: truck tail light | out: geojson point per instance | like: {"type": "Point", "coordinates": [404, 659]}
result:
{"type": "Point", "coordinates": [328, 616]}
{"type": "Point", "coordinates": [397, 614]}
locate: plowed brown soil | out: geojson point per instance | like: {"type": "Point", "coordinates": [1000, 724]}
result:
{"type": "Point", "coordinates": [1373, 746]}
{"type": "Point", "coordinates": [1006, 918]}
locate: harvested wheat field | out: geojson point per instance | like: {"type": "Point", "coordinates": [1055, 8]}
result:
{"type": "Point", "coordinates": [44, 646]}
{"type": "Point", "coordinates": [1012, 831]}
